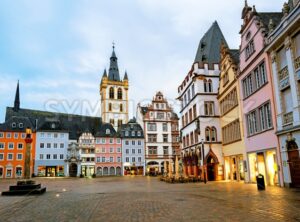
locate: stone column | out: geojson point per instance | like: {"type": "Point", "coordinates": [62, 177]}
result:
{"type": "Point", "coordinates": [28, 141]}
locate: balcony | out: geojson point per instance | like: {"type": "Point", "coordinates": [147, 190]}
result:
{"type": "Point", "coordinates": [288, 119]}
{"type": "Point", "coordinates": [283, 75]}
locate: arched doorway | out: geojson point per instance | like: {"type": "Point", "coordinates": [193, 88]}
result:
{"type": "Point", "coordinates": [211, 162]}
{"type": "Point", "coordinates": [118, 171]}
{"type": "Point", "coordinates": [73, 170]}
{"type": "Point", "coordinates": [112, 171]}
{"type": "Point", "coordinates": [99, 171]}
{"type": "Point", "coordinates": [105, 171]}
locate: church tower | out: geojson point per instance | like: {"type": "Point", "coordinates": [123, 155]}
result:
{"type": "Point", "coordinates": [114, 94]}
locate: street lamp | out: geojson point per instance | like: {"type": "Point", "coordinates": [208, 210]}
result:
{"type": "Point", "coordinates": [203, 168]}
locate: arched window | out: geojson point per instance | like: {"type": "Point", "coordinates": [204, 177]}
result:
{"type": "Point", "coordinates": [121, 107]}
{"type": "Point", "coordinates": [109, 107]}
{"type": "Point", "coordinates": [205, 85]}
{"type": "Point", "coordinates": [119, 93]}
{"type": "Point", "coordinates": [111, 93]}
{"type": "Point", "coordinates": [213, 134]}
{"type": "Point", "coordinates": [209, 83]}
{"type": "Point", "coordinates": [207, 134]}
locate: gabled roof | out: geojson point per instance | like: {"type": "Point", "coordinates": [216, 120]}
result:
{"type": "Point", "coordinates": [75, 124]}
{"type": "Point", "coordinates": [210, 44]}
{"type": "Point", "coordinates": [131, 126]}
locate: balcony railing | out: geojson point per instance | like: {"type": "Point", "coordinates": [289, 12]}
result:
{"type": "Point", "coordinates": [297, 63]}
{"type": "Point", "coordinates": [288, 118]}
{"type": "Point", "coordinates": [284, 78]}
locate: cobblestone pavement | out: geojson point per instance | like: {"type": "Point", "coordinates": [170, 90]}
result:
{"type": "Point", "coordinates": [147, 199]}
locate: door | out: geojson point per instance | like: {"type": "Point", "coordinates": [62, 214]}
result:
{"type": "Point", "coordinates": [294, 163]}
{"type": "Point", "coordinates": [73, 170]}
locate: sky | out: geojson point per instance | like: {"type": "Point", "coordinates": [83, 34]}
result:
{"type": "Point", "coordinates": [59, 49]}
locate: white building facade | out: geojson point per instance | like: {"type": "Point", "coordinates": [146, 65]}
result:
{"type": "Point", "coordinates": [86, 144]}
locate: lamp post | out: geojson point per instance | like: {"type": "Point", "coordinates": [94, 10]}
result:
{"type": "Point", "coordinates": [203, 168]}
{"type": "Point", "coordinates": [28, 141]}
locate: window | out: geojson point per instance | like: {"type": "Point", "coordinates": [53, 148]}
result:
{"type": "Point", "coordinates": [133, 133]}
{"type": "Point", "coordinates": [139, 133]}
{"type": "Point", "coordinates": [118, 150]}
{"type": "Point", "coordinates": [49, 135]}
{"type": "Point", "coordinates": [42, 145]}
{"type": "Point", "coordinates": [139, 159]}
{"type": "Point", "coordinates": [152, 150]}
{"type": "Point", "coordinates": [111, 159]}
{"type": "Point", "coordinates": [249, 49]}
{"type": "Point", "coordinates": [1, 135]}
{"type": "Point", "coordinates": [133, 142]}
{"type": "Point", "coordinates": [194, 111]}
{"type": "Point", "coordinates": [133, 159]}
{"type": "Point", "coordinates": [19, 156]}
{"type": "Point", "coordinates": [118, 140]}
{"type": "Point", "coordinates": [1, 172]}
{"type": "Point", "coordinates": [1, 156]}
{"type": "Point", "coordinates": [55, 135]}
{"type": "Point", "coordinates": [152, 138]}
{"type": "Point", "coordinates": [207, 134]}
{"type": "Point", "coordinates": [229, 102]}
{"type": "Point", "coordinates": [55, 145]}
{"type": "Point", "coordinates": [166, 150]}
{"type": "Point", "coordinates": [151, 126]}
{"type": "Point", "coordinates": [103, 150]}
{"type": "Point", "coordinates": [103, 141]}
{"type": "Point", "coordinates": [119, 93]}
{"type": "Point", "coordinates": [165, 127]}
{"type": "Point", "coordinates": [13, 125]}
{"type": "Point", "coordinates": [209, 108]}
{"type": "Point", "coordinates": [42, 135]}
{"type": "Point", "coordinates": [10, 156]}
{"type": "Point", "coordinates": [10, 146]}
{"type": "Point", "coordinates": [139, 151]}
{"type": "Point", "coordinates": [205, 85]}
{"type": "Point", "coordinates": [213, 134]}
{"type": "Point", "coordinates": [165, 138]}
{"type": "Point", "coordinates": [103, 159]}
{"type": "Point", "coordinates": [139, 142]}
{"type": "Point", "coordinates": [48, 145]}
{"type": "Point", "coordinates": [111, 150]}
{"type": "Point", "coordinates": [8, 172]}
{"type": "Point", "coordinates": [126, 142]}
{"type": "Point", "coordinates": [62, 135]}
{"type": "Point", "coordinates": [61, 156]}
{"type": "Point", "coordinates": [120, 122]}
{"type": "Point", "coordinates": [23, 135]}
{"type": "Point", "coordinates": [48, 156]}
{"type": "Point", "coordinates": [193, 90]}
{"type": "Point", "coordinates": [108, 130]}
{"type": "Point", "coordinates": [252, 123]}
{"type": "Point", "coordinates": [109, 107]}
{"type": "Point", "coordinates": [98, 159]}
{"type": "Point", "coordinates": [209, 82]}
{"type": "Point", "coordinates": [225, 79]}
{"type": "Point", "coordinates": [127, 159]}
{"type": "Point", "coordinates": [55, 156]}
{"type": "Point", "coordinates": [8, 135]}
{"type": "Point", "coordinates": [119, 159]}
{"type": "Point", "coordinates": [18, 171]}
{"type": "Point", "coordinates": [41, 156]}
{"type": "Point", "coordinates": [133, 151]}
{"type": "Point", "coordinates": [2, 145]}
{"type": "Point", "coordinates": [111, 93]}
{"type": "Point", "coordinates": [160, 115]}
{"type": "Point", "coordinates": [127, 151]}
{"type": "Point", "coordinates": [62, 145]}
{"type": "Point", "coordinates": [16, 135]}
{"type": "Point", "coordinates": [20, 146]}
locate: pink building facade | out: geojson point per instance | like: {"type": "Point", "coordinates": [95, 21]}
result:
{"type": "Point", "coordinates": [257, 99]}
{"type": "Point", "coordinates": [108, 152]}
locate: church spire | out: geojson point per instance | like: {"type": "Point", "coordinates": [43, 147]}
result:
{"type": "Point", "coordinates": [113, 72]}
{"type": "Point", "coordinates": [17, 99]}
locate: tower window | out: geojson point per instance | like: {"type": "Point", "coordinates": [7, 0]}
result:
{"type": "Point", "coordinates": [111, 93]}
{"type": "Point", "coordinates": [109, 107]}
{"type": "Point", "coordinates": [121, 107]}
{"type": "Point", "coordinates": [119, 93]}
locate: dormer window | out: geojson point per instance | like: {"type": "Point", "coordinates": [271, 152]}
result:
{"type": "Point", "coordinates": [133, 133]}
{"type": "Point", "coordinates": [53, 125]}
{"type": "Point", "coordinates": [139, 133]}
{"type": "Point", "coordinates": [13, 125]}
{"type": "Point", "coordinates": [107, 131]}
{"type": "Point", "coordinates": [21, 125]}
{"type": "Point", "coordinates": [126, 133]}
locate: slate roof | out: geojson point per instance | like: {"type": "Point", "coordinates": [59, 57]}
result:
{"type": "Point", "coordinates": [235, 55]}
{"type": "Point", "coordinates": [102, 131]}
{"type": "Point", "coordinates": [113, 72]}
{"type": "Point", "coordinates": [74, 124]}
{"type": "Point", "coordinates": [210, 44]}
{"type": "Point", "coordinates": [54, 125]}
{"type": "Point", "coordinates": [17, 124]}
{"type": "Point", "coordinates": [131, 126]}
{"type": "Point", "coordinates": [266, 16]}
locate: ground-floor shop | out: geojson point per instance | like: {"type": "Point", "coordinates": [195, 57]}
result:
{"type": "Point", "coordinates": [155, 167]}
{"type": "Point", "coordinates": [108, 170]}
{"type": "Point", "coordinates": [290, 157]}
{"type": "Point", "coordinates": [10, 171]}
{"type": "Point", "coordinates": [234, 167]}
{"type": "Point", "coordinates": [133, 170]}
{"type": "Point", "coordinates": [87, 170]}
{"type": "Point", "coordinates": [50, 171]}
{"type": "Point", "coordinates": [263, 162]}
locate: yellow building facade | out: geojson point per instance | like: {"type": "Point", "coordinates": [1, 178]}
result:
{"type": "Point", "coordinates": [233, 147]}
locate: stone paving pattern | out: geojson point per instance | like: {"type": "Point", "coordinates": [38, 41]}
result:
{"type": "Point", "coordinates": [148, 199]}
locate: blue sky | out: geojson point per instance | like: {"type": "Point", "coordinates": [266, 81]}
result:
{"type": "Point", "coordinates": [59, 49]}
